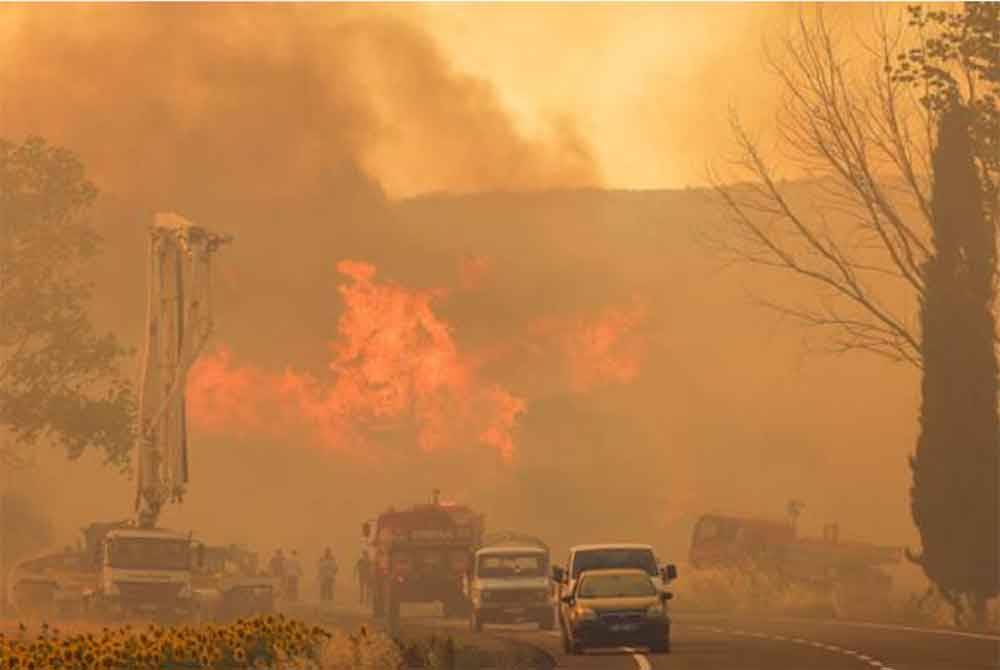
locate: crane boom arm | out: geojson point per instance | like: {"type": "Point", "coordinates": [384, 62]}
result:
{"type": "Point", "coordinates": [178, 324]}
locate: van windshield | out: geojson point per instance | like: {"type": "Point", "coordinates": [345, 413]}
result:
{"type": "Point", "coordinates": [512, 565]}
{"type": "Point", "coordinates": [615, 559]}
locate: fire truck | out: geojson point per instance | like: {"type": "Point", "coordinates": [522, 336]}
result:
{"type": "Point", "coordinates": [849, 573]}
{"type": "Point", "coordinates": [422, 554]}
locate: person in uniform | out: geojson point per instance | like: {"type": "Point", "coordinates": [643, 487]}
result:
{"type": "Point", "coordinates": [293, 573]}
{"type": "Point", "coordinates": [328, 569]}
{"type": "Point", "coordinates": [363, 572]}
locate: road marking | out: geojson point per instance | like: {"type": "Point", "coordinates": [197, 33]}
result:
{"type": "Point", "coordinates": [795, 640]}
{"type": "Point", "coordinates": [640, 659]}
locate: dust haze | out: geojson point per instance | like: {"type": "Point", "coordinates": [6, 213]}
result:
{"type": "Point", "coordinates": [558, 339]}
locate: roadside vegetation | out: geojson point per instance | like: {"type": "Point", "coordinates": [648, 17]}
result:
{"type": "Point", "coordinates": [273, 642]}
{"type": "Point", "coordinates": [748, 593]}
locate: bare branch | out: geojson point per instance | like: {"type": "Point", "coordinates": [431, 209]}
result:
{"type": "Point", "coordinates": [862, 234]}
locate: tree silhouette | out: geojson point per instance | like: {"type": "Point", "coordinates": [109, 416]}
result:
{"type": "Point", "coordinates": [954, 488]}
{"type": "Point", "coordinates": [854, 126]}
{"type": "Point", "coordinates": [59, 380]}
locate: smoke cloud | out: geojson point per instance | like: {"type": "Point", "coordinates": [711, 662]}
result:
{"type": "Point", "coordinates": [526, 353]}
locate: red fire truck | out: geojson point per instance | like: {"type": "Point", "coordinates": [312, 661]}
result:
{"type": "Point", "coordinates": [422, 554]}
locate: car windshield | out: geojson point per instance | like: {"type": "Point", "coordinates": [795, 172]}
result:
{"type": "Point", "coordinates": [512, 565]}
{"type": "Point", "coordinates": [616, 586]}
{"type": "Point", "coordinates": [614, 559]}
{"type": "Point", "coordinates": [150, 554]}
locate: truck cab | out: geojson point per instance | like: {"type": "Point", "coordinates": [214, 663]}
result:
{"type": "Point", "coordinates": [510, 584]}
{"type": "Point", "coordinates": [144, 571]}
{"type": "Point", "coordinates": [617, 556]}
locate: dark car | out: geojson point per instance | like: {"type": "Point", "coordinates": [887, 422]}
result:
{"type": "Point", "coordinates": [614, 608]}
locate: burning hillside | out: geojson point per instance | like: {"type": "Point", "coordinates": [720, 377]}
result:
{"type": "Point", "coordinates": [395, 364]}
{"type": "Point", "coordinates": [394, 361]}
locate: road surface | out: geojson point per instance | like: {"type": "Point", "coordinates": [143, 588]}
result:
{"type": "Point", "coordinates": [716, 643]}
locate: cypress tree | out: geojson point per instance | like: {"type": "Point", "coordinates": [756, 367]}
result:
{"type": "Point", "coordinates": [954, 492]}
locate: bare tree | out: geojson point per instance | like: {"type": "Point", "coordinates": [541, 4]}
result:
{"type": "Point", "coordinates": [858, 134]}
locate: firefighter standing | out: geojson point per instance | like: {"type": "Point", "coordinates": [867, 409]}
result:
{"type": "Point", "coordinates": [363, 571]}
{"type": "Point", "coordinates": [293, 572]}
{"type": "Point", "coordinates": [328, 570]}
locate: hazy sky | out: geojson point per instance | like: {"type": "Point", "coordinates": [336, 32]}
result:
{"type": "Point", "coordinates": [626, 96]}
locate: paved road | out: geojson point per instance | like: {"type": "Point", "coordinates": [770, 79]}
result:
{"type": "Point", "coordinates": [716, 643]}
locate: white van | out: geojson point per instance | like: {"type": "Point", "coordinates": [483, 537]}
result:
{"type": "Point", "coordinates": [510, 584]}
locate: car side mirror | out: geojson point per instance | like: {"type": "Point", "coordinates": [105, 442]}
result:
{"type": "Point", "coordinates": [670, 572]}
{"type": "Point", "coordinates": [666, 596]}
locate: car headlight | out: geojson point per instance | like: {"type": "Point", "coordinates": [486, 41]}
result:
{"type": "Point", "coordinates": [656, 612]}
{"type": "Point", "coordinates": [586, 614]}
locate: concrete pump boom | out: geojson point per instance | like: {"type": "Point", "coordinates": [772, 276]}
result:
{"type": "Point", "coordinates": [178, 324]}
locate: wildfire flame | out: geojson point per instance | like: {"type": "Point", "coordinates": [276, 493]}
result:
{"type": "Point", "coordinates": [394, 360]}
{"type": "Point", "coordinates": [396, 363]}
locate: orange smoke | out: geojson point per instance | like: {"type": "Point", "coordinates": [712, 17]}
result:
{"type": "Point", "coordinates": [473, 270]}
{"type": "Point", "coordinates": [606, 348]}
{"type": "Point", "coordinates": [394, 364]}
{"type": "Point", "coordinates": [222, 398]}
